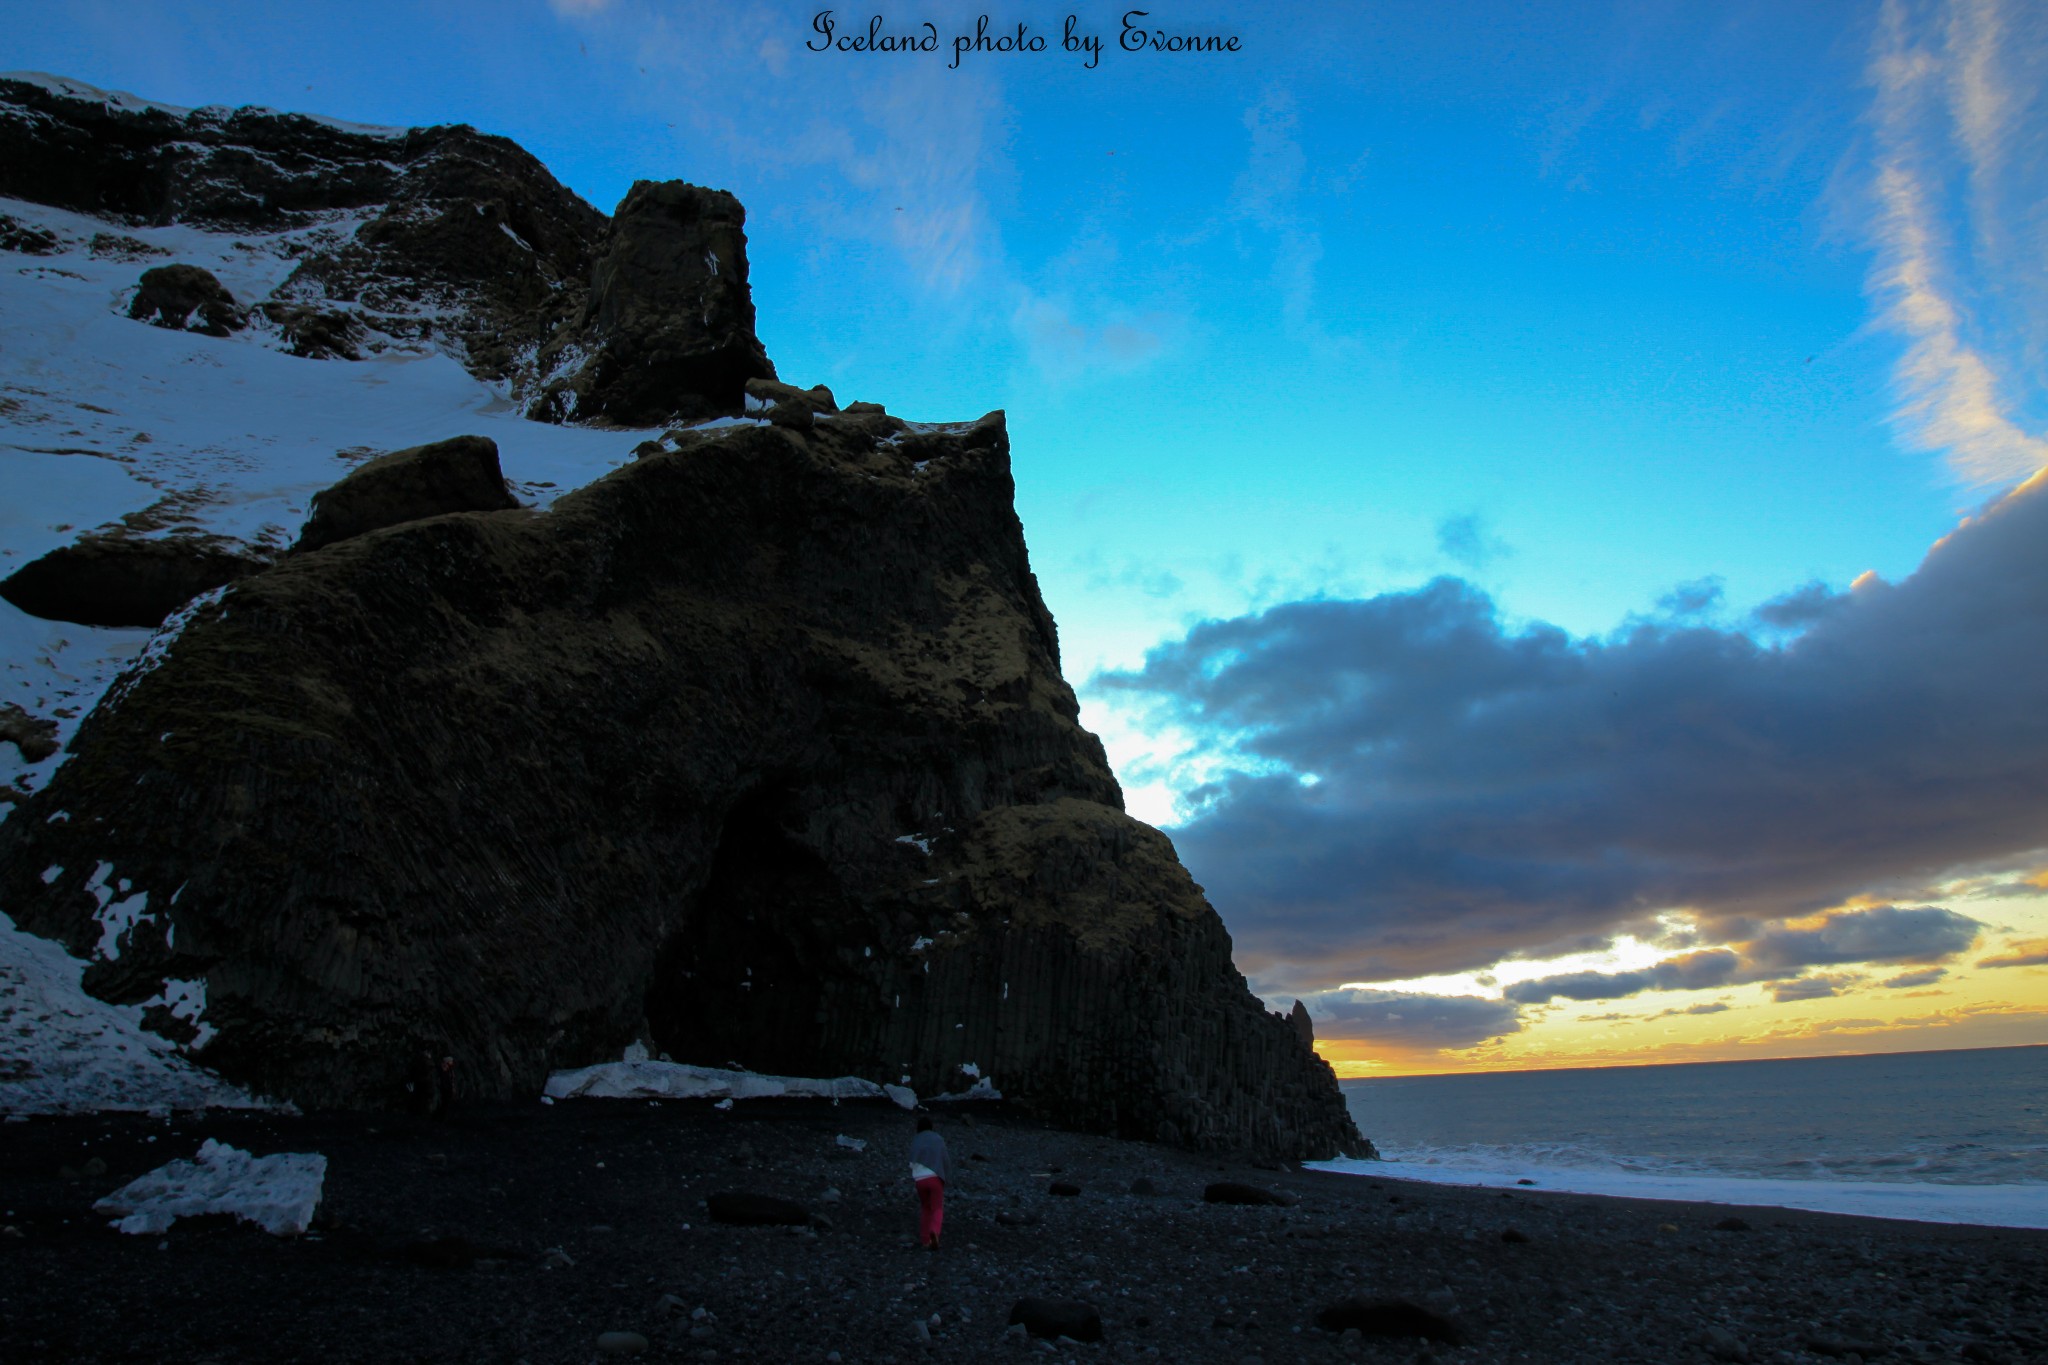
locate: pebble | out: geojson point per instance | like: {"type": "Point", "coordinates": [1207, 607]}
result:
{"type": "Point", "coordinates": [621, 1343]}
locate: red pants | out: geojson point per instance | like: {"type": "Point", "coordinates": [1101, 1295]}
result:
{"type": "Point", "coordinates": [931, 1210]}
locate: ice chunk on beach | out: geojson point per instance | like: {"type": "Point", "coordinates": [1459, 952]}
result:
{"type": "Point", "coordinates": [905, 1097]}
{"type": "Point", "coordinates": [277, 1193]}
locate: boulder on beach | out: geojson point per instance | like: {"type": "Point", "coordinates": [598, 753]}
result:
{"type": "Point", "coordinates": [1235, 1192]}
{"type": "Point", "coordinates": [1389, 1318]}
{"type": "Point", "coordinates": [1051, 1318]}
{"type": "Point", "coordinates": [744, 1209]}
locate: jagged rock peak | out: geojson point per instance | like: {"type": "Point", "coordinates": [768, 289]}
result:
{"type": "Point", "coordinates": [421, 238]}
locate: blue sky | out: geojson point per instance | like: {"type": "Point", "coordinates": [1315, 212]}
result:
{"type": "Point", "coordinates": [1619, 313]}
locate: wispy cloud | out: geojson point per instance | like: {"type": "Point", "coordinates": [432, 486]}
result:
{"type": "Point", "coordinates": [1957, 184]}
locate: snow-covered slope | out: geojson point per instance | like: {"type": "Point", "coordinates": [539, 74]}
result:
{"type": "Point", "coordinates": [103, 418]}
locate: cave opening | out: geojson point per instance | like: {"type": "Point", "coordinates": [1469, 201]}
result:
{"type": "Point", "coordinates": [762, 973]}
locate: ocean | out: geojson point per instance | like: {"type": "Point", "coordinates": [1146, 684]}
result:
{"type": "Point", "coordinates": [1949, 1137]}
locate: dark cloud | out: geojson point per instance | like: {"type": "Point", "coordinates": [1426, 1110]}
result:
{"type": "Point", "coordinates": [1801, 607]}
{"type": "Point", "coordinates": [1411, 1019]}
{"type": "Point", "coordinates": [1481, 791]}
{"type": "Point", "coordinates": [1811, 988]}
{"type": "Point", "coordinates": [1927, 976]}
{"type": "Point", "coordinates": [1468, 540]}
{"type": "Point", "coordinates": [1886, 933]}
{"type": "Point", "coordinates": [1692, 599]}
{"type": "Point", "coordinates": [1710, 1007]}
{"type": "Point", "coordinates": [1693, 972]}
{"type": "Point", "coordinates": [1881, 934]}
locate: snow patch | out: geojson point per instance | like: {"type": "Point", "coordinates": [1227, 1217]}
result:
{"type": "Point", "coordinates": [632, 1080]}
{"type": "Point", "coordinates": [982, 1089]}
{"type": "Point", "coordinates": [277, 1193]}
{"type": "Point", "coordinates": [64, 1052]}
{"type": "Point", "coordinates": [115, 916]}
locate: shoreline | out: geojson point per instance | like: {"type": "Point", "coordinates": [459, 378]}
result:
{"type": "Point", "coordinates": [524, 1232]}
{"type": "Point", "coordinates": [1913, 1201]}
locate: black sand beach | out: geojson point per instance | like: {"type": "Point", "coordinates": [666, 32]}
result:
{"type": "Point", "coordinates": [523, 1234]}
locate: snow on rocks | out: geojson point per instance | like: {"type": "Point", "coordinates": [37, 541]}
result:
{"type": "Point", "coordinates": [634, 1080]}
{"type": "Point", "coordinates": [64, 1052]}
{"type": "Point", "coordinates": [277, 1193]}
{"type": "Point", "coordinates": [108, 420]}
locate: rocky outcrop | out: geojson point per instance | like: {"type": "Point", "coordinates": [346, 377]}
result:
{"type": "Point", "coordinates": [113, 579]}
{"type": "Point", "coordinates": [1304, 1027]}
{"type": "Point", "coordinates": [757, 748]}
{"type": "Point", "coordinates": [458, 475]}
{"type": "Point", "coordinates": [668, 326]}
{"type": "Point", "coordinates": [169, 295]}
{"type": "Point", "coordinates": [421, 238]}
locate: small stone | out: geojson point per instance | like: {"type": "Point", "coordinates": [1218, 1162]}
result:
{"type": "Point", "coordinates": [1513, 1235]}
{"type": "Point", "coordinates": [1143, 1186]}
{"type": "Point", "coordinates": [1731, 1225]}
{"type": "Point", "coordinates": [830, 1196]}
{"type": "Point", "coordinates": [555, 1258]}
{"type": "Point", "coordinates": [1065, 1188]}
{"type": "Point", "coordinates": [1722, 1344]}
{"type": "Point", "coordinates": [620, 1343]}
{"type": "Point", "coordinates": [1235, 1192]}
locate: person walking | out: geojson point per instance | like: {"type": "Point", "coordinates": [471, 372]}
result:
{"type": "Point", "coordinates": [930, 1169]}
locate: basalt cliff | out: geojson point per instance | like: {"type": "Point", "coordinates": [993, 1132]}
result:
{"type": "Point", "coordinates": [755, 750]}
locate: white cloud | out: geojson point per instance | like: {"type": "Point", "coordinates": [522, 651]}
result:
{"type": "Point", "coordinates": [1957, 180]}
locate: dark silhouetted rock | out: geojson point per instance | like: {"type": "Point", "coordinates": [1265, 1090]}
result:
{"type": "Point", "coordinates": [116, 580]}
{"type": "Point", "coordinates": [1731, 1225]}
{"type": "Point", "coordinates": [1017, 1218]}
{"type": "Point", "coordinates": [36, 738]}
{"type": "Point", "coordinates": [669, 323]}
{"type": "Point", "coordinates": [1304, 1027]}
{"type": "Point", "coordinates": [170, 294]}
{"type": "Point", "coordinates": [1513, 1236]}
{"type": "Point", "coordinates": [1232, 1192]}
{"type": "Point", "coordinates": [1050, 1318]}
{"type": "Point", "coordinates": [530, 783]}
{"type": "Point", "coordinates": [757, 1210]}
{"type": "Point", "coordinates": [1389, 1318]}
{"type": "Point", "coordinates": [1065, 1189]}
{"type": "Point", "coordinates": [1144, 1187]}
{"type": "Point", "coordinates": [457, 475]}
